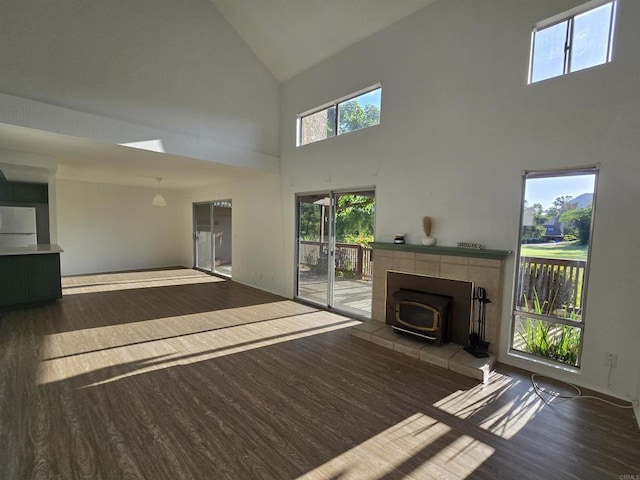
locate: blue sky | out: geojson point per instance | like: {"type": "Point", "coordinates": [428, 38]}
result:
{"type": "Point", "coordinates": [371, 98]}
{"type": "Point", "coordinates": [546, 190]}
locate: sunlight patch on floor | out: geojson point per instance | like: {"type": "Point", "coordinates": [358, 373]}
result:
{"type": "Point", "coordinates": [478, 405]}
{"type": "Point", "coordinates": [113, 282]}
{"type": "Point", "coordinates": [124, 334]}
{"type": "Point", "coordinates": [398, 448]}
{"type": "Point", "coordinates": [118, 351]}
{"type": "Point", "coordinates": [382, 453]}
{"type": "Point", "coordinates": [458, 459]}
{"type": "Point", "coordinates": [511, 418]}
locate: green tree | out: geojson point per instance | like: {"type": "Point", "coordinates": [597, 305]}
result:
{"type": "Point", "coordinates": [560, 205]}
{"type": "Point", "coordinates": [579, 220]}
{"type": "Point", "coordinates": [539, 217]}
{"type": "Point", "coordinates": [534, 218]}
{"type": "Point", "coordinates": [532, 233]}
{"type": "Point", "coordinates": [310, 222]}
{"type": "Point", "coordinates": [354, 219]}
{"type": "Point", "coordinates": [353, 117]}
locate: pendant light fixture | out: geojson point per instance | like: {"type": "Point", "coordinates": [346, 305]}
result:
{"type": "Point", "coordinates": [158, 200]}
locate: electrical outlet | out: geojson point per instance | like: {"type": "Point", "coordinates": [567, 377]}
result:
{"type": "Point", "coordinates": [610, 360]}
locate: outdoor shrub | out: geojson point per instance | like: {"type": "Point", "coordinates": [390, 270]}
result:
{"type": "Point", "coordinates": [555, 342]}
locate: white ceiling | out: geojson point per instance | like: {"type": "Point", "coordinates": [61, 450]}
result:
{"type": "Point", "coordinates": [290, 36]}
{"type": "Point", "coordinates": [90, 161]}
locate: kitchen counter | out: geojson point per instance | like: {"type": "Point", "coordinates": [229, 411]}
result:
{"type": "Point", "coordinates": [29, 275]}
{"type": "Point", "coordinates": [33, 250]}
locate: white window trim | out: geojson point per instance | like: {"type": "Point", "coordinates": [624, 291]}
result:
{"type": "Point", "coordinates": [570, 15]}
{"type": "Point", "coordinates": [335, 102]}
{"type": "Point", "coordinates": [328, 105]}
{"type": "Point", "coordinates": [560, 17]}
{"type": "Point", "coordinates": [545, 173]}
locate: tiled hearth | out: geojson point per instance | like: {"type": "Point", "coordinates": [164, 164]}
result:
{"type": "Point", "coordinates": [483, 267]}
{"type": "Point", "coordinates": [449, 356]}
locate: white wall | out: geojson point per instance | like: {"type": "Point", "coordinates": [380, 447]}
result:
{"type": "Point", "coordinates": [459, 124]}
{"type": "Point", "coordinates": [257, 250]}
{"type": "Point", "coordinates": [106, 228]}
{"type": "Point", "coordinates": [123, 71]}
{"type": "Point", "coordinates": [177, 66]}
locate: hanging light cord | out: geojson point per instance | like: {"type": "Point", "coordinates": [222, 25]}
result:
{"type": "Point", "coordinates": [563, 398]}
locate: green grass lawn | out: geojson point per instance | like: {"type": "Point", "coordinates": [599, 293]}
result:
{"type": "Point", "coordinates": [564, 250]}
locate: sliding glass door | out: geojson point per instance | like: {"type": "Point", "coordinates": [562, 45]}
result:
{"type": "Point", "coordinates": [202, 236]}
{"type": "Point", "coordinates": [335, 229]}
{"type": "Point", "coordinates": [212, 236]}
{"type": "Point", "coordinates": [314, 232]}
{"type": "Point", "coordinates": [222, 237]}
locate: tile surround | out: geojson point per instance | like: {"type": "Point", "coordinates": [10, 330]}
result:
{"type": "Point", "coordinates": [484, 272]}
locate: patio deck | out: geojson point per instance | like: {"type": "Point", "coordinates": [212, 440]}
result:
{"type": "Point", "coordinates": [350, 295]}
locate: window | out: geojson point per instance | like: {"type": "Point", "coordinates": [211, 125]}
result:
{"type": "Point", "coordinates": [355, 112]}
{"type": "Point", "coordinates": [552, 265]}
{"type": "Point", "coordinates": [572, 41]}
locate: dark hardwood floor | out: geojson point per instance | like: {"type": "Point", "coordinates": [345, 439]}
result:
{"type": "Point", "coordinates": [178, 375]}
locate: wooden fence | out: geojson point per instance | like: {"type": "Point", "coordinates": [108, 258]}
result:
{"type": "Point", "coordinates": [554, 284]}
{"type": "Point", "coordinates": [350, 259]}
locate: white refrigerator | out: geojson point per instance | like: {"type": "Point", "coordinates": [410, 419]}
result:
{"type": "Point", "coordinates": [18, 227]}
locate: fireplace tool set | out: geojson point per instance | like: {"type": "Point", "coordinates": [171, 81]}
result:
{"type": "Point", "coordinates": [478, 347]}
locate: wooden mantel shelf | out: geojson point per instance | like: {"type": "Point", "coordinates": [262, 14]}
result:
{"type": "Point", "coordinates": [441, 250]}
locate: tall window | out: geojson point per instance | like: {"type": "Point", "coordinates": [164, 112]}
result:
{"type": "Point", "coordinates": [578, 39]}
{"type": "Point", "coordinates": [353, 113]}
{"type": "Point", "coordinates": [553, 260]}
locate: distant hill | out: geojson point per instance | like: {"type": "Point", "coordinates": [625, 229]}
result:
{"type": "Point", "coordinates": [583, 200]}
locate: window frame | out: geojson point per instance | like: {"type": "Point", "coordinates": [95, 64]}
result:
{"type": "Point", "coordinates": [554, 320]}
{"type": "Point", "coordinates": [569, 17]}
{"type": "Point", "coordinates": [334, 104]}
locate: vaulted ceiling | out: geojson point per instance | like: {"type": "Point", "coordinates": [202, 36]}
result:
{"type": "Point", "coordinates": [290, 36]}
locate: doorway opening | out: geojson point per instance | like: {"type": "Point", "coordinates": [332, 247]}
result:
{"type": "Point", "coordinates": [212, 237]}
{"type": "Point", "coordinates": [333, 267]}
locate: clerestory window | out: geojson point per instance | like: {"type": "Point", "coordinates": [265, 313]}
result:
{"type": "Point", "coordinates": [355, 112]}
{"type": "Point", "coordinates": [572, 41]}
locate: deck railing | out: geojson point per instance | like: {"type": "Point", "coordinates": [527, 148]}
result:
{"type": "Point", "coordinates": [552, 285]}
{"type": "Point", "coordinates": [351, 259]}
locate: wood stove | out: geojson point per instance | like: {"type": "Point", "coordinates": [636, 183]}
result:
{"type": "Point", "coordinates": [423, 314]}
{"type": "Point", "coordinates": [428, 302]}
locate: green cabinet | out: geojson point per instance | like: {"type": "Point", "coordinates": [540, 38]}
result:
{"type": "Point", "coordinates": [29, 278]}
{"type": "Point", "coordinates": [31, 192]}
{"type": "Point", "coordinates": [6, 192]}
{"type": "Point", "coordinates": [21, 192]}
{"type": "Point", "coordinates": [12, 280]}
{"type": "Point", "coordinates": [43, 277]}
